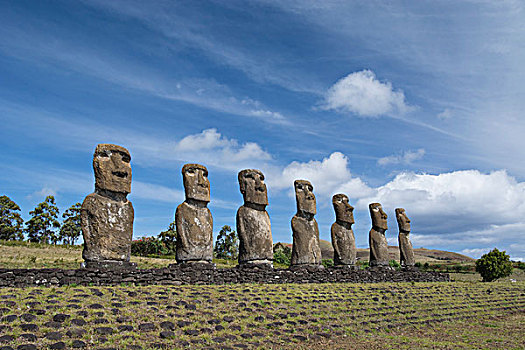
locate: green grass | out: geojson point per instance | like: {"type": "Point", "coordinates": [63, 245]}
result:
{"type": "Point", "coordinates": [318, 316]}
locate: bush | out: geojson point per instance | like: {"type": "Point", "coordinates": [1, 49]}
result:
{"type": "Point", "coordinates": [494, 265]}
{"type": "Point", "coordinates": [147, 246]}
{"type": "Point", "coordinates": [394, 264]}
{"type": "Point", "coordinates": [282, 256]}
{"type": "Point", "coordinates": [521, 265]}
{"type": "Point", "coordinates": [227, 244]}
{"type": "Point", "coordinates": [327, 262]}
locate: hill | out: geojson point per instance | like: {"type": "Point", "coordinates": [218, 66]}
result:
{"type": "Point", "coordinates": [421, 254]}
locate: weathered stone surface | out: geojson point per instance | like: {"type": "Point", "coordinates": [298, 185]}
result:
{"type": "Point", "coordinates": [305, 249]}
{"type": "Point", "coordinates": [106, 214]}
{"type": "Point", "coordinates": [377, 239]}
{"type": "Point", "coordinates": [193, 219]}
{"type": "Point", "coordinates": [406, 252]}
{"type": "Point", "coordinates": [343, 239]}
{"type": "Point", "coordinates": [253, 222]}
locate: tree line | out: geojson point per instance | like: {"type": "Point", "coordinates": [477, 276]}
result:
{"type": "Point", "coordinates": [43, 226]}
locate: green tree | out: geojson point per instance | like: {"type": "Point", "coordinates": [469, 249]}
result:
{"type": "Point", "coordinates": [282, 254]}
{"type": "Point", "coordinates": [71, 226]}
{"type": "Point", "coordinates": [494, 265]}
{"type": "Point", "coordinates": [169, 239]}
{"type": "Point", "coordinates": [227, 244]}
{"type": "Point", "coordinates": [10, 220]}
{"type": "Point", "coordinates": [41, 228]}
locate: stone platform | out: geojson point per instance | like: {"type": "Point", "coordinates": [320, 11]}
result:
{"type": "Point", "coordinates": [203, 274]}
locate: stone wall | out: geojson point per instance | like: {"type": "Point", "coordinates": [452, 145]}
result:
{"type": "Point", "coordinates": [180, 274]}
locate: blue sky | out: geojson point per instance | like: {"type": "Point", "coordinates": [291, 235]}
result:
{"type": "Point", "coordinates": [412, 104]}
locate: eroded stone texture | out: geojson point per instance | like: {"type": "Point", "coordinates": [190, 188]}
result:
{"type": "Point", "coordinates": [193, 219]}
{"type": "Point", "coordinates": [343, 239]}
{"type": "Point", "coordinates": [305, 249]}
{"type": "Point", "coordinates": [106, 214]}
{"type": "Point", "coordinates": [253, 222]}
{"type": "Point", "coordinates": [406, 252]}
{"type": "Point", "coordinates": [377, 239]}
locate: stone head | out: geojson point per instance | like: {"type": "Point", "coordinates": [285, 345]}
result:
{"type": "Point", "coordinates": [196, 183]}
{"type": "Point", "coordinates": [253, 188]}
{"type": "Point", "coordinates": [402, 220]}
{"type": "Point", "coordinates": [111, 164]}
{"type": "Point", "coordinates": [305, 197]}
{"type": "Point", "coordinates": [343, 210]}
{"type": "Point", "coordinates": [378, 216]}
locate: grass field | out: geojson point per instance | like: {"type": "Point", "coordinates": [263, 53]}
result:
{"type": "Point", "coordinates": [462, 315]}
{"type": "Point", "coordinates": [319, 316]}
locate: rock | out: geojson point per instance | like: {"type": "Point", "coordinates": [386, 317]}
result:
{"type": "Point", "coordinates": [343, 239]}
{"type": "Point", "coordinates": [59, 345]}
{"type": "Point", "coordinates": [305, 249]}
{"type": "Point", "coordinates": [60, 317]}
{"type": "Point", "coordinates": [193, 219]}
{"type": "Point", "coordinates": [54, 335]}
{"type": "Point", "coordinates": [78, 322]}
{"type": "Point", "coordinates": [26, 347]}
{"type": "Point", "coordinates": [28, 337]}
{"type": "Point", "coordinates": [6, 338]}
{"type": "Point", "coordinates": [104, 330]}
{"type": "Point", "coordinates": [75, 332]}
{"type": "Point", "coordinates": [377, 239]}
{"type": "Point", "coordinates": [78, 344]}
{"type": "Point", "coordinates": [167, 334]}
{"type": "Point", "coordinates": [147, 327]}
{"type": "Point", "coordinates": [406, 252]}
{"type": "Point", "coordinates": [253, 221]}
{"type": "Point", "coordinates": [167, 325]}
{"type": "Point", "coordinates": [125, 328]}
{"type": "Point", "coordinates": [29, 327]}
{"type": "Point", "coordinates": [106, 214]}
{"type": "Point", "coordinates": [28, 317]}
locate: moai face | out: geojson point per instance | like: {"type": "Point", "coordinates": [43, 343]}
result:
{"type": "Point", "coordinates": [304, 197]}
{"type": "Point", "coordinates": [196, 183]}
{"type": "Point", "coordinates": [378, 216]}
{"type": "Point", "coordinates": [343, 210]}
{"type": "Point", "coordinates": [252, 186]}
{"type": "Point", "coordinates": [402, 220]}
{"type": "Point", "coordinates": [111, 164]}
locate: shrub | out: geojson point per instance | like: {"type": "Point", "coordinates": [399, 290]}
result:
{"type": "Point", "coordinates": [494, 265]}
{"type": "Point", "coordinates": [147, 246]}
{"type": "Point", "coordinates": [327, 262]}
{"type": "Point", "coordinates": [282, 256]}
{"type": "Point", "coordinates": [227, 244]}
{"type": "Point", "coordinates": [394, 264]}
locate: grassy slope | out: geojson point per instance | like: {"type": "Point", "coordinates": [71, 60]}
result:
{"type": "Point", "coordinates": [311, 316]}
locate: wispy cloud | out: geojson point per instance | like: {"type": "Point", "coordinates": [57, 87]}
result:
{"type": "Point", "coordinates": [205, 93]}
{"type": "Point", "coordinates": [405, 158]}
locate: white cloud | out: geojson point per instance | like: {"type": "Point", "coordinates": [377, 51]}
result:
{"type": "Point", "coordinates": [44, 192]}
{"type": "Point", "coordinates": [446, 114]}
{"type": "Point", "coordinates": [328, 176]}
{"type": "Point", "coordinates": [210, 147]}
{"type": "Point", "coordinates": [475, 252]}
{"type": "Point", "coordinates": [362, 94]}
{"type": "Point", "coordinates": [406, 158]}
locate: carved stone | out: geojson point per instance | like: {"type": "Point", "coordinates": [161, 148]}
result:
{"type": "Point", "coordinates": [406, 252]}
{"type": "Point", "coordinates": [253, 222]}
{"type": "Point", "coordinates": [377, 239]}
{"type": "Point", "coordinates": [193, 219]}
{"type": "Point", "coordinates": [343, 239]}
{"type": "Point", "coordinates": [107, 215]}
{"type": "Point", "coordinates": [305, 249]}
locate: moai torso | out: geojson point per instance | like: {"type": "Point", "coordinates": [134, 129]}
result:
{"type": "Point", "coordinates": [106, 214]}
{"type": "Point", "coordinates": [253, 222]}
{"type": "Point", "coordinates": [343, 239]}
{"type": "Point", "coordinates": [194, 233]}
{"type": "Point", "coordinates": [305, 249]}
{"type": "Point", "coordinates": [193, 219]}
{"type": "Point", "coordinates": [406, 252]}
{"type": "Point", "coordinates": [377, 239]}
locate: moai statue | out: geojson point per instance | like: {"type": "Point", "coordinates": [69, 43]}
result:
{"type": "Point", "coordinates": [406, 252]}
{"type": "Point", "coordinates": [253, 222]}
{"type": "Point", "coordinates": [193, 218]}
{"type": "Point", "coordinates": [305, 249]}
{"type": "Point", "coordinates": [343, 239]}
{"type": "Point", "coordinates": [377, 239]}
{"type": "Point", "coordinates": [107, 215]}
